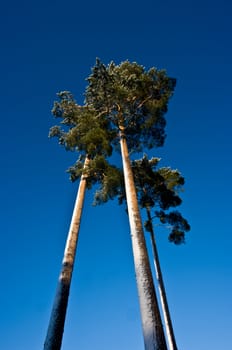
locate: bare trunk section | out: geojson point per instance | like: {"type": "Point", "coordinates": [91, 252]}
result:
{"type": "Point", "coordinates": [57, 319]}
{"type": "Point", "coordinates": [163, 298]}
{"type": "Point", "coordinates": [153, 333]}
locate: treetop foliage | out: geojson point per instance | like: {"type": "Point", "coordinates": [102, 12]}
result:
{"type": "Point", "coordinates": [128, 100]}
{"type": "Point", "coordinates": [81, 128]}
{"type": "Point", "coordinates": [122, 97]}
{"type": "Point", "coordinates": [156, 188]}
{"type": "Point", "coordinates": [132, 99]}
{"type": "Point", "coordinates": [159, 188]}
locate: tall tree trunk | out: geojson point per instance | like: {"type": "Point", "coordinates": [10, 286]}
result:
{"type": "Point", "coordinates": [162, 292]}
{"type": "Point", "coordinates": [153, 333]}
{"type": "Point", "coordinates": [57, 319]}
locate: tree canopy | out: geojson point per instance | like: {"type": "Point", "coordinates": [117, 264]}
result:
{"type": "Point", "coordinates": [156, 187]}
{"type": "Point", "coordinates": [82, 130]}
{"type": "Point", "coordinates": [122, 98]}
{"type": "Point", "coordinates": [133, 100]}
{"type": "Point", "coordinates": [118, 97]}
{"type": "Point", "coordinates": [159, 188]}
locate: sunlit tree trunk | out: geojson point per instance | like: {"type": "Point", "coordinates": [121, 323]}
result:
{"type": "Point", "coordinates": [153, 333]}
{"type": "Point", "coordinates": [163, 298]}
{"type": "Point", "coordinates": [57, 319]}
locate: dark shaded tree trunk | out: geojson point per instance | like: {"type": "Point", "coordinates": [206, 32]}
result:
{"type": "Point", "coordinates": [153, 333]}
{"type": "Point", "coordinates": [162, 292]}
{"type": "Point", "coordinates": [57, 319]}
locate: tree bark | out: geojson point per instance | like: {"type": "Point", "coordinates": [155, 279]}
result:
{"type": "Point", "coordinates": [57, 319]}
{"type": "Point", "coordinates": [153, 333]}
{"type": "Point", "coordinates": [163, 298]}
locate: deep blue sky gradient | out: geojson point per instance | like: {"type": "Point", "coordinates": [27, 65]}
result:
{"type": "Point", "coordinates": [48, 46]}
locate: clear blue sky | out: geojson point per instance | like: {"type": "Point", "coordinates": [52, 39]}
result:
{"type": "Point", "coordinates": [48, 46]}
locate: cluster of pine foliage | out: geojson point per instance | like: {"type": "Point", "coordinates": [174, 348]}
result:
{"type": "Point", "coordinates": [124, 111]}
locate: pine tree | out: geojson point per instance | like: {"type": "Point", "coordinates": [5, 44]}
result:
{"type": "Point", "coordinates": [82, 131]}
{"type": "Point", "coordinates": [134, 102]}
{"type": "Point", "coordinates": [157, 188]}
